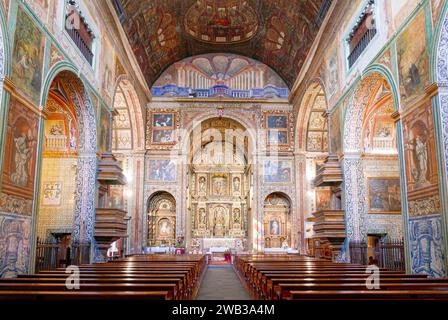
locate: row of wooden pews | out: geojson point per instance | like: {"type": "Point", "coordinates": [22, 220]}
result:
{"type": "Point", "coordinates": [293, 277]}
{"type": "Point", "coordinates": [137, 278]}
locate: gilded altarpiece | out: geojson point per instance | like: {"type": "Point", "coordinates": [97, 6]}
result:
{"type": "Point", "coordinates": [219, 185]}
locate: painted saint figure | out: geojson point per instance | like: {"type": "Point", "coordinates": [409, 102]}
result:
{"type": "Point", "coordinates": [22, 157]}
{"type": "Point", "coordinates": [421, 153]}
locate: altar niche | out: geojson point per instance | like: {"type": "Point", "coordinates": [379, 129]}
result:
{"type": "Point", "coordinates": [161, 219]}
{"type": "Point", "coordinates": [276, 221]}
{"type": "Point", "coordinates": [219, 172]}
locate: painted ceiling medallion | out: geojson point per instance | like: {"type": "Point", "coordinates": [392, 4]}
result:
{"type": "Point", "coordinates": [221, 21]}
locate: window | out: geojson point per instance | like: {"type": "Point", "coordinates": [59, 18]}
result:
{"type": "Point", "coordinates": [362, 33]}
{"type": "Point", "coordinates": [78, 30]}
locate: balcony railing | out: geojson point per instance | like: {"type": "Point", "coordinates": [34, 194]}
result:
{"type": "Point", "coordinates": [361, 46]}
{"type": "Point", "coordinates": [56, 143]}
{"type": "Point", "coordinates": [81, 44]}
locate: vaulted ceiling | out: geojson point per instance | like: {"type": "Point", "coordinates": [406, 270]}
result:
{"type": "Point", "coordinates": [278, 33]}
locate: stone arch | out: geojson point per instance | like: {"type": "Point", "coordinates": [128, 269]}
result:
{"type": "Point", "coordinates": [131, 102]}
{"type": "Point", "coordinates": [367, 89]}
{"type": "Point", "coordinates": [206, 115]}
{"type": "Point", "coordinates": [84, 225]}
{"type": "Point", "coordinates": [354, 112]}
{"type": "Point", "coordinates": [314, 88]}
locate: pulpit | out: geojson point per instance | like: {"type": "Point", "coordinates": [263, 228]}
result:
{"type": "Point", "coordinates": [110, 222]}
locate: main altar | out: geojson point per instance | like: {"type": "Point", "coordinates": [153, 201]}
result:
{"type": "Point", "coordinates": [219, 188]}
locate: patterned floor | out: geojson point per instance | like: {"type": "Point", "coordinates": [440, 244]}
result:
{"type": "Point", "coordinates": [221, 283]}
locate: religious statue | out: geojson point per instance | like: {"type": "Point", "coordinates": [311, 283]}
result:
{"type": "Point", "coordinates": [236, 184]}
{"type": "Point", "coordinates": [22, 157]}
{"type": "Point", "coordinates": [236, 216]}
{"type": "Point", "coordinates": [202, 186]}
{"type": "Point", "coordinates": [202, 216]}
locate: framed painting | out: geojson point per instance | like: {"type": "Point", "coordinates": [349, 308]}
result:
{"type": "Point", "coordinates": [276, 137]}
{"type": "Point", "coordinates": [383, 195]}
{"type": "Point", "coordinates": [162, 170]}
{"type": "Point", "coordinates": [163, 120]}
{"type": "Point", "coordinates": [162, 125]}
{"type": "Point", "coordinates": [278, 121]}
{"type": "Point", "coordinates": [277, 171]}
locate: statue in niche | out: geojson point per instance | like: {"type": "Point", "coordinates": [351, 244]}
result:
{"type": "Point", "coordinates": [421, 155]}
{"type": "Point", "coordinates": [236, 184]}
{"type": "Point", "coordinates": [202, 216]}
{"type": "Point", "coordinates": [202, 186]}
{"type": "Point", "coordinates": [236, 216]}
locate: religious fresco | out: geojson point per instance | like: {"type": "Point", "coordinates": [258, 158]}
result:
{"type": "Point", "coordinates": [162, 170]}
{"type": "Point", "coordinates": [119, 69]}
{"type": "Point", "coordinates": [221, 21]}
{"type": "Point", "coordinates": [20, 160]}
{"type": "Point", "coordinates": [104, 130]}
{"type": "Point", "coordinates": [386, 59]}
{"type": "Point", "coordinates": [332, 71]}
{"type": "Point", "coordinates": [421, 164]}
{"type": "Point", "coordinates": [413, 60]}
{"type": "Point", "coordinates": [27, 59]}
{"type": "Point", "coordinates": [383, 195]}
{"type": "Point", "coordinates": [15, 242]}
{"type": "Point", "coordinates": [335, 131]}
{"type": "Point", "coordinates": [278, 33]}
{"type": "Point", "coordinates": [277, 171]}
{"type": "Point", "coordinates": [55, 55]}
{"type": "Point", "coordinates": [220, 74]}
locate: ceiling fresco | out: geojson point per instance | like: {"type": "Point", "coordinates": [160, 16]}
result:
{"type": "Point", "coordinates": [278, 33]}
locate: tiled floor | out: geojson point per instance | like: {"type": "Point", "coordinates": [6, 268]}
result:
{"type": "Point", "coordinates": [221, 283]}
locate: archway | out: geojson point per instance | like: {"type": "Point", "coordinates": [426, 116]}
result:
{"type": "Point", "coordinates": [161, 220]}
{"type": "Point", "coordinates": [313, 137]}
{"type": "Point", "coordinates": [372, 171]}
{"type": "Point", "coordinates": [66, 212]}
{"type": "Point", "coordinates": [128, 148]}
{"type": "Point", "coordinates": [277, 221]}
{"type": "Point", "coordinates": [219, 193]}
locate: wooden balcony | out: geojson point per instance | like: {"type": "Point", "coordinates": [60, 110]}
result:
{"type": "Point", "coordinates": [330, 173]}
